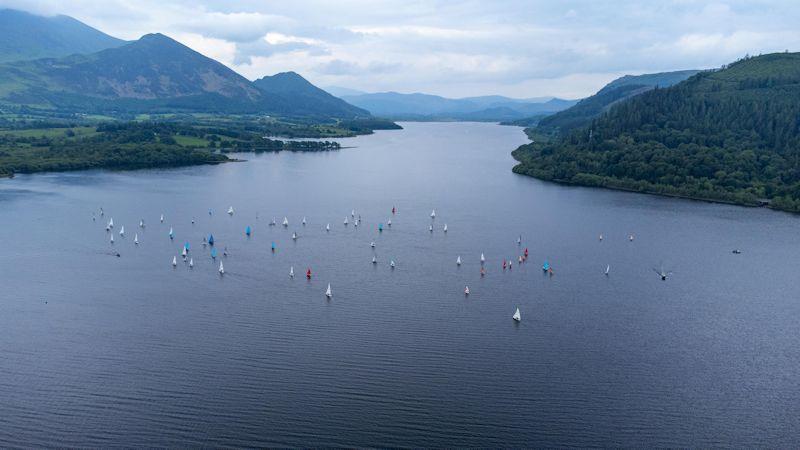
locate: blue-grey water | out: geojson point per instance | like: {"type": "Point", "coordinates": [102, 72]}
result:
{"type": "Point", "coordinates": [99, 350]}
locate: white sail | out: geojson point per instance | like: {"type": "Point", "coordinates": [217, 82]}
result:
{"type": "Point", "coordinates": [111, 223]}
{"type": "Point", "coordinates": [112, 238]}
{"type": "Point", "coordinates": [191, 262]}
{"type": "Point", "coordinates": [345, 220]}
{"type": "Point", "coordinates": [372, 244]}
{"type": "Point", "coordinates": [122, 230]}
{"type": "Point", "coordinates": [294, 236]}
{"type": "Point", "coordinates": [519, 240]}
{"type": "Point", "coordinates": [285, 222]}
{"type": "Point", "coordinates": [174, 261]}
{"type": "Point", "coordinates": [141, 224]}
{"type": "Point", "coordinates": [353, 213]}
{"type": "Point", "coordinates": [433, 213]}
{"type": "Point", "coordinates": [482, 258]}
{"type": "Point", "coordinates": [171, 231]}
{"type": "Point", "coordinates": [328, 292]}
{"type": "Point", "coordinates": [291, 272]}
{"type": "Point", "coordinates": [374, 260]}
{"type": "Point", "coordinates": [221, 269]}
{"type": "Point", "coordinates": [466, 290]}
{"type": "Point", "coordinates": [445, 228]}
{"type": "Point", "coordinates": [517, 316]}
{"type": "Point", "coordinates": [136, 238]}
{"type": "Point", "coordinates": [230, 210]}
{"type": "Point", "coordinates": [389, 222]}
{"type": "Point", "coordinates": [430, 228]}
{"type": "Point", "coordinates": [162, 218]}
{"type": "Point", "coordinates": [458, 260]}
{"type": "Point", "coordinates": [183, 253]}
{"type": "Point", "coordinates": [608, 268]}
{"type": "Point", "coordinates": [304, 220]}
{"type": "Point", "coordinates": [391, 264]}
{"type": "Point", "coordinates": [328, 227]}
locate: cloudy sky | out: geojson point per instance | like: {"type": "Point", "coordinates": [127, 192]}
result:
{"type": "Point", "coordinates": [454, 48]}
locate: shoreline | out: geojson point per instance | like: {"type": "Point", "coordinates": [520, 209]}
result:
{"type": "Point", "coordinates": [647, 192]}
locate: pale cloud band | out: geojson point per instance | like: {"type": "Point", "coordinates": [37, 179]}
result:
{"type": "Point", "coordinates": [454, 48]}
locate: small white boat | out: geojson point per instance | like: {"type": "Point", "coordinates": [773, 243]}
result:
{"type": "Point", "coordinates": [230, 210]}
{"type": "Point", "coordinates": [122, 230]}
{"type": "Point", "coordinates": [304, 221]}
{"type": "Point", "coordinates": [433, 214]}
{"type": "Point", "coordinates": [294, 236]}
{"type": "Point", "coordinates": [112, 238]}
{"type": "Point", "coordinates": [328, 227]}
{"type": "Point", "coordinates": [183, 253]}
{"type": "Point", "coordinates": [285, 222]}
{"type": "Point", "coordinates": [466, 290]}
{"type": "Point", "coordinates": [430, 228]}
{"type": "Point", "coordinates": [445, 228]}
{"type": "Point", "coordinates": [141, 224]}
{"type": "Point", "coordinates": [291, 272]}
{"type": "Point", "coordinates": [345, 220]}
{"type": "Point", "coordinates": [517, 316]}
{"type": "Point", "coordinates": [353, 213]}
{"type": "Point", "coordinates": [191, 262]}
{"type": "Point", "coordinates": [355, 223]}
{"type": "Point", "coordinates": [389, 223]}
{"type": "Point", "coordinates": [458, 261]}
{"type": "Point", "coordinates": [136, 239]}
{"type": "Point", "coordinates": [174, 261]}
{"type": "Point", "coordinates": [483, 260]}
{"type": "Point", "coordinates": [608, 269]}
{"type": "Point", "coordinates": [630, 238]}
{"type": "Point", "coordinates": [273, 223]}
{"type": "Point", "coordinates": [601, 237]}
{"type": "Point", "coordinates": [391, 264]}
{"type": "Point", "coordinates": [111, 223]}
{"type": "Point", "coordinates": [108, 228]}
{"type": "Point", "coordinates": [328, 291]}
{"type": "Point", "coordinates": [162, 218]}
{"type": "Point", "coordinates": [374, 260]}
{"type": "Point", "coordinates": [519, 240]}
{"type": "Point", "coordinates": [372, 244]}
{"type": "Point", "coordinates": [171, 233]}
{"type": "Point", "coordinates": [221, 269]}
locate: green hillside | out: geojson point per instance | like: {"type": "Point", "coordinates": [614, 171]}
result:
{"type": "Point", "coordinates": [616, 91]}
{"type": "Point", "coordinates": [728, 135]}
{"type": "Point", "coordinates": [306, 96]}
{"type": "Point", "coordinates": [25, 36]}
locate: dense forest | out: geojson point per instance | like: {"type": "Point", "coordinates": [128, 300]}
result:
{"type": "Point", "coordinates": [56, 145]}
{"type": "Point", "coordinates": [727, 135]}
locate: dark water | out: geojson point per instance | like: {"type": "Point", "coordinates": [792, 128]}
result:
{"type": "Point", "coordinates": [98, 350]}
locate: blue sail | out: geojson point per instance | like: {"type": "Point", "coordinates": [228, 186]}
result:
{"type": "Point", "coordinates": [247, 230]}
{"type": "Point", "coordinates": [546, 266]}
{"type": "Point", "coordinates": [213, 253]}
{"type": "Point", "coordinates": [186, 246]}
{"type": "Point", "coordinates": [210, 239]}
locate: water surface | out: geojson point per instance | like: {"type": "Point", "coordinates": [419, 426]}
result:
{"type": "Point", "coordinates": [99, 350]}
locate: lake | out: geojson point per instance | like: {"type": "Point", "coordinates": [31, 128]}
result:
{"type": "Point", "coordinates": [99, 350]}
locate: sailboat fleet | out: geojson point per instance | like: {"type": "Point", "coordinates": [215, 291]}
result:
{"type": "Point", "coordinates": [507, 263]}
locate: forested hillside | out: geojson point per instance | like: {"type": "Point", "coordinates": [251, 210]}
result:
{"type": "Point", "coordinates": [729, 135]}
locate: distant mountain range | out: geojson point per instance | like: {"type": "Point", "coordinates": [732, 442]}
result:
{"type": "Point", "coordinates": [25, 36]}
{"type": "Point", "coordinates": [418, 106]}
{"type": "Point", "coordinates": [154, 74]}
{"type": "Point", "coordinates": [618, 90]}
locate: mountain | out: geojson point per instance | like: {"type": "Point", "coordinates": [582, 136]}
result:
{"type": "Point", "coordinates": [25, 36]}
{"type": "Point", "coordinates": [728, 135]}
{"type": "Point", "coordinates": [306, 96]}
{"type": "Point", "coordinates": [418, 106]}
{"type": "Point", "coordinates": [618, 90]}
{"type": "Point", "coordinates": [156, 74]}
{"type": "Point", "coordinates": [342, 91]}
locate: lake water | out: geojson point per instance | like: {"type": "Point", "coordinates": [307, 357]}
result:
{"type": "Point", "coordinates": [97, 350]}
